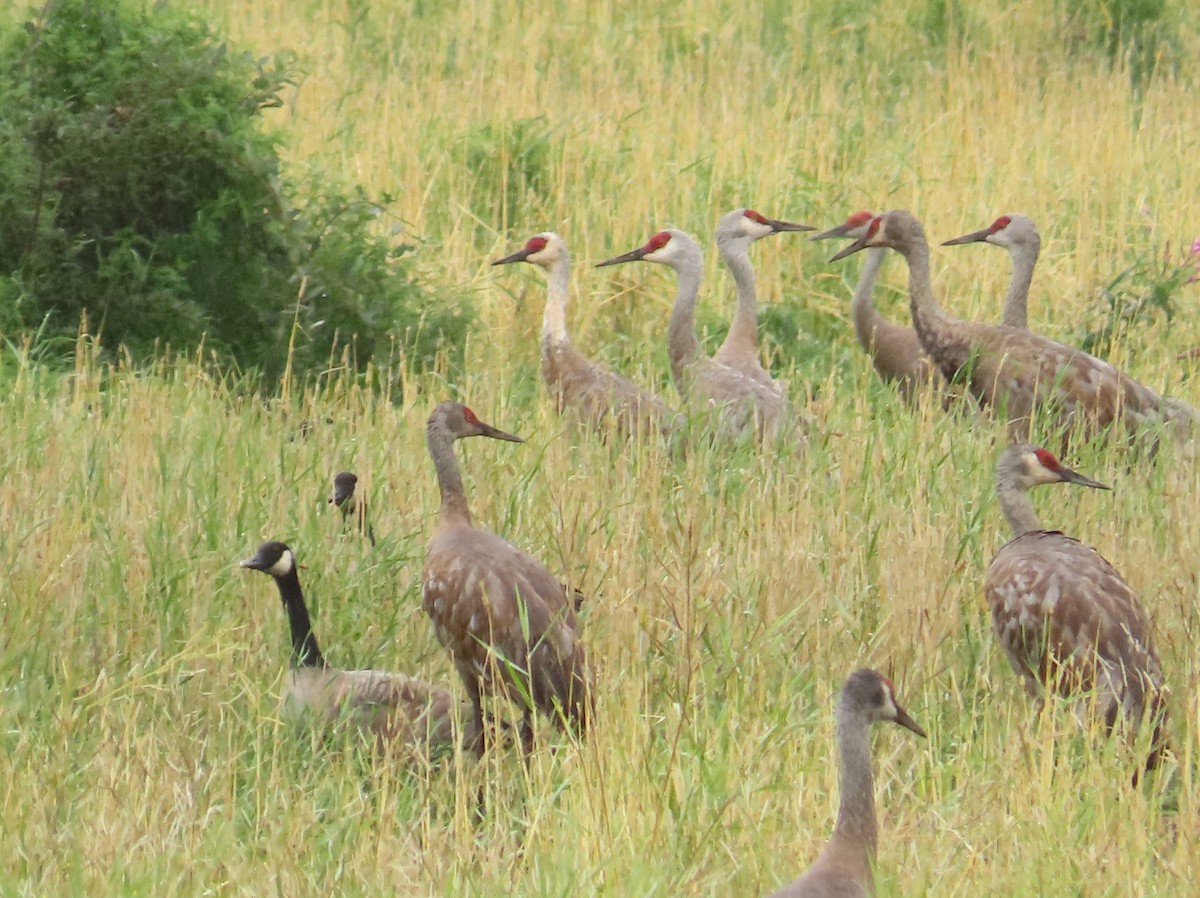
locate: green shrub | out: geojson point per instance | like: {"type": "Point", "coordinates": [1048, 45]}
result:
{"type": "Point", "coordinates": [137, 185]}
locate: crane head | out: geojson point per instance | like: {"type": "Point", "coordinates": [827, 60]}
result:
{"type": "Point", "coordinates": [1027, 466]}
{"type": "Point", "coordinates": [854, 226]}
{"type": "Point", "coordinates": [870, 693]}
{"type": "Point", "coordinates": [461, 422]}
{"type": "Point", "coordinates": [746, 224]}
{"type": "Point", "coordinates": [1009, 231]}
{"type": "Point", "coordinates": [662, 247]}
{"type": "Point", "coordinates": [541, 249]}
{"type": "Point", "coordinates": [873, 235]}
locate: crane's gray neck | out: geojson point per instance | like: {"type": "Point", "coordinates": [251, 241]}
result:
{"type": "Point", "coordinates": [743, 331]}
{"type": "Point", "coordinates": [682, 344]}
{"type": "Point", "coordinates": [862, 309]}
{"type": "Point", "coordinates": [930, 321]}
{"type": "Point", "coordinates": [449, 476]}
{"type": "Point", "coordinates": [558, 285]}
{"type": "Point", "coordinates": [305, 652]}
{"type": "Point", "coordinates": [856, 810]}
{"type": "Point", "coordinates": [1016, 301]}
{"type": "Point", "coordinates": [1016, 504]}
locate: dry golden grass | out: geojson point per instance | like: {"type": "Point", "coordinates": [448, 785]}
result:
{"type": "Point", "coordinates": [729, 593]}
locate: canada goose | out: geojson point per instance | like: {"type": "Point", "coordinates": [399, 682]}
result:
{"type": "Point", "coordinates": [344, 498]}
{"type": "Point", "coordinates": [401, 712]}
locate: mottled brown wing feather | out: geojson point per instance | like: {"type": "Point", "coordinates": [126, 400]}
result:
{"type": "Point", "coordinates": [1018, 370]}
{"type": "Point", "coordinates": [602, 397]}
{"type": "Point", "coordinates": [507, 622]}
{"type": "Point", "coordinates": [403, 712]}
{"type": "Point", "coordinates": [1067, 619]}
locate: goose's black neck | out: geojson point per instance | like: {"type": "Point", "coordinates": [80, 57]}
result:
{"type": "Point", "coordinates": [305, 652]}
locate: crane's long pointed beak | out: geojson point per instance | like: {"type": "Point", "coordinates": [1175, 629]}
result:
{"type": "Point", "coordinates": [906, 721]}
{"type": "Point", "coordinates": [519, 256]}
{"type": "Point", "coordinates": [497, 434]}
{"type": "Point", "coordinates": [632, 256]}
{"type": "Point", "coordinates": [780, 226]}
{"type": "Point", "coordinates": [1070, 476]}
{"type": "Point", "coordinates": [860, 243]}
{"type": "Point", "coordinates": [839, 231]}
{"type": "Point", "coordinates": [973, 237]}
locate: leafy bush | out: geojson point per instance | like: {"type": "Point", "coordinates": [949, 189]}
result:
{"type": "Point", "coordinates": [137, 186]}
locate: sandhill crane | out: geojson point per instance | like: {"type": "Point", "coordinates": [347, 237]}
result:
{"type": "Point", "coordinates": [352, 505]}
{"type": "Point", "coordinates": [403, 714]}
{"type": "Point", "coordinates": [845, 866]}
{"type": "Point", "coordinates": [507, 622]}
{"type": "Point", "coordinates": [601, 397]}
{"type": "Point", "coordinates": [744, 404]}
{"type": "Point", "coordinates": [894, 349]}
{"type": "Point", "coordinates": [736, 230]}
{"type": "Point", "coordinates": [1015, 370]}
{"type": "Point", "coordinates": [1019, 235]}
{"type": "Point", "coordinates": [1066, 619]}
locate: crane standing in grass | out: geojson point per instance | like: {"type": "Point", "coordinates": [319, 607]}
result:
{"type": "Point", "coordinates": [743, 404]}
{"type": "Point", "coordinates": [894, 349]}
{"type": "Point", "coordinates": [1066, 619]}
{"type": "Point", "coordinates": [507, 622]}
{"type": "Point", "coordinates": [599, 396]}
{"type": "Point", "coordinates": [845, 866]}
{"type": "Point", "coordinates": [1019, 235]}
{"type": "Point", "coordinates": [735, 232]}
{"type": "Point", "coordinates": [1016, 371]}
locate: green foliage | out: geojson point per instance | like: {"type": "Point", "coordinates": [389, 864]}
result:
{"type": "Point", "coordinates": [510, 169]}
{"type": "Point", "coordinates": [1140, 31]}
{"type": "Point", "coordinates": [137, 187]}
{"type": "Point", "coordinates": [1141, 293]}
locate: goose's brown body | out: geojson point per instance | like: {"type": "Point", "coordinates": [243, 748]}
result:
{"type": "Point", "coordinates": [405, 715]}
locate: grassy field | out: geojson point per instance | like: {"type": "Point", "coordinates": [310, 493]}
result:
{"type": "Point", "coordinates": [729, 593]}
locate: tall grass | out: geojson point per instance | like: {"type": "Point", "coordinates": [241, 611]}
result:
{"type": "Point", "coordinates": [729, 593]}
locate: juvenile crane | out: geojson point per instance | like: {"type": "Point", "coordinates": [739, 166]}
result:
{"type": "Point", "coordinates": [743, 404]}
{"type": "Point", "coordinates": [403, 714]}
{"type": "Point", "coordinates": [1019, 235]}
{"type": "Point", "coordinates": [352, 505]}
{"type": "Point", "coordinates": [1066, 619]}
{"type": "Point", "coordinates": [736, 230]}
{"type": "Point", "coordinates": [599, 396]}
{"type": "Point", "coordinates": [1015, 370]}
{"type": "Point", "coordinates": [507, 622]}
{"type": "Point", "coordinates": [845, 866]}
{"type": "Point", "coordinates": [894, 348]}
